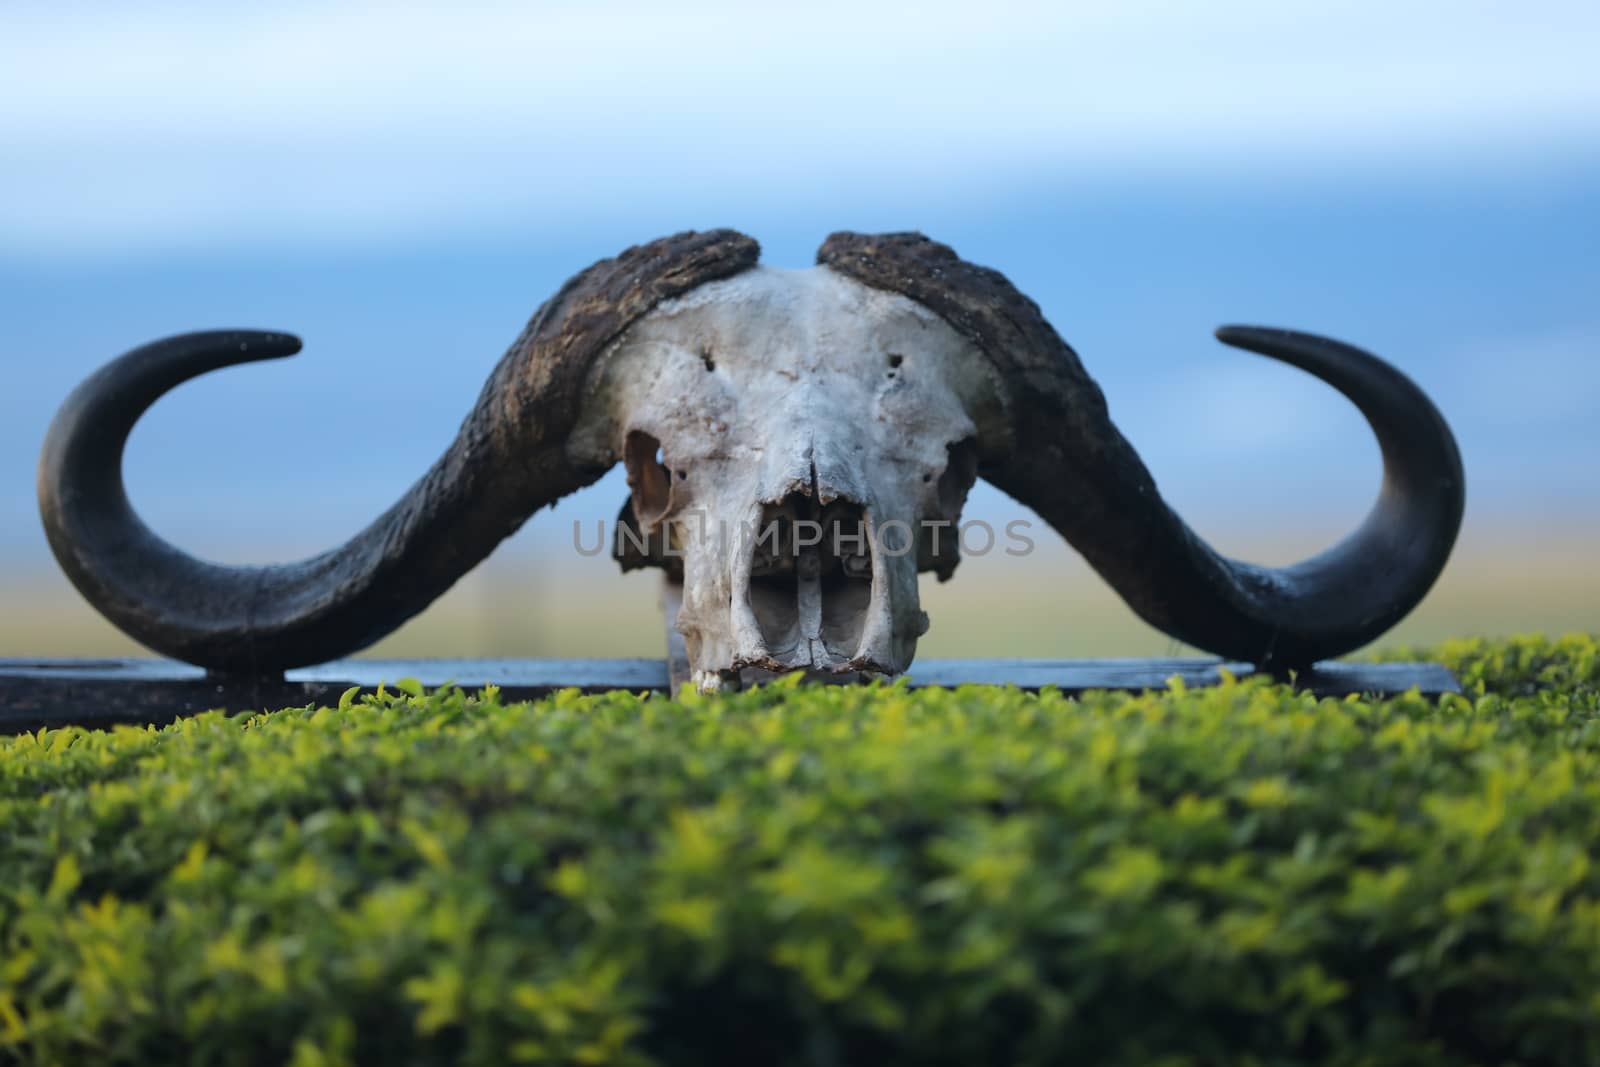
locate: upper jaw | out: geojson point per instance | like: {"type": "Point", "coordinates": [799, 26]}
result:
{"type": "Point", "coordinates": [799, 601]}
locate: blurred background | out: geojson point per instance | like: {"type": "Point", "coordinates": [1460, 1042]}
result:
{"type": "Point", "coordinates": [403, 185]}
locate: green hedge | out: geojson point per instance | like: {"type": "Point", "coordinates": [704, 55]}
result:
{"type": "Point", "coordinates": [821, 876]}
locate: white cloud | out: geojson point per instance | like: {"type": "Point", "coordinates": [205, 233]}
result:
{"type": "Point", "coordinates": [128, 125]}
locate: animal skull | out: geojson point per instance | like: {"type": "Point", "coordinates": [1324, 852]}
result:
{"type": "Point", "coordinates": [860, 395]}
{"type": "Point", "coordinates": [816, 440]}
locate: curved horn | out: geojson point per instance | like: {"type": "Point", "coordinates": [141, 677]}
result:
{"type": "Point", "coordinates": [1071, 465]}
{"type": "Point", "coordinates": [508, 460]}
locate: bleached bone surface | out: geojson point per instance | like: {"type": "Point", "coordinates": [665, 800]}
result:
{"type": "Point", "coordinates": [779, 397]}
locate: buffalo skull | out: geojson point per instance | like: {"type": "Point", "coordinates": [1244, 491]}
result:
{"type": "Point", "coordinates": [776, 426]}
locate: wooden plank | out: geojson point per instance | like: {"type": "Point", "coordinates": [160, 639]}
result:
{"type": "Point", "coordinates": [98, 693]}
{"type": "Point", "coordinates": [1336, 678]}
{"type": "Point", "coordinates": [35, 693]}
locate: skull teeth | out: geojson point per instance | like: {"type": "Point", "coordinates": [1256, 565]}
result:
{"type": "Point", "coordinates": [857, 566]}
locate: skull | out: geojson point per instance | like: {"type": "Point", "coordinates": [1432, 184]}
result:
{"type": "Point", "coordinates": [798, 447]}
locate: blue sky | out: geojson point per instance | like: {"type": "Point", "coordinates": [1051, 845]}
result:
{"type": "Point", "coordinates": [206, 125]}
{"type": "Point", "coordinates": [403, 184]}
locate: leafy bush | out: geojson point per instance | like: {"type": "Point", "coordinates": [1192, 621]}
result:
{"type": "Point", "coordinates": [1520, 666]}
{"type": "Point", "coordinates": [820, 876]}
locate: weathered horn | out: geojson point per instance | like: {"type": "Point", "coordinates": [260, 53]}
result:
{"type": "Point", "coordinates": [1071, 465]}
{"type": "Point", "coordinates": [508, 460]}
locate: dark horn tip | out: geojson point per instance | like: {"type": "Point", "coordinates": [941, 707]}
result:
{"type": "Point", "coordinates": [267, 344]}
{"type": "Point", "coordinates": [1344, 366]}
{"type": "Point", "coordinates": [191, 354]}
{"type": "Point", "coordinates": [1251, 337]}
{"type": "Point", "coordinates": [208, 350]}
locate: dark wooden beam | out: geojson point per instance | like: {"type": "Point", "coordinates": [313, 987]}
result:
{"type": "Point", "coordinates": [100, 693]}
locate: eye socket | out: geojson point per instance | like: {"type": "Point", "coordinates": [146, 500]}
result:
{"type": "Point", "coordinates": [649, 480]}
{"type": "Point", "coordinates": [959, 474]}
{"type": "Point", "coordinates": [895, 359]}
{"type": "Point", "coordinates": [707, 360]}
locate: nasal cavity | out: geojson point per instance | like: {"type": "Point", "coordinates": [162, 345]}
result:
{"type": "Point", "coordinates": [811, 579]}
